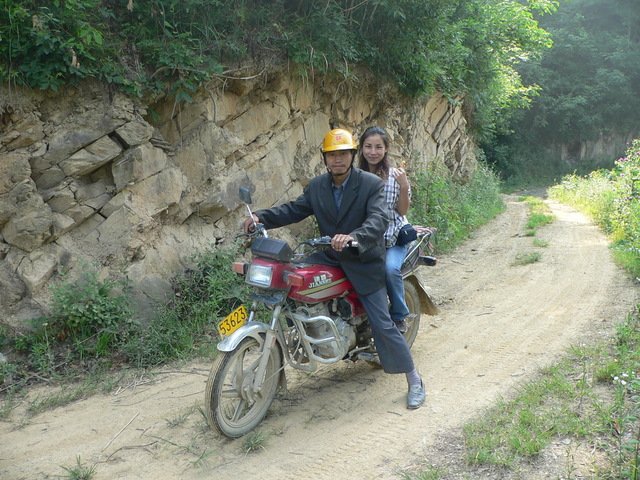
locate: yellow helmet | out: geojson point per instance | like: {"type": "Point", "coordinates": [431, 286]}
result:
{"type": "Point", "coordinates": [338, 139]}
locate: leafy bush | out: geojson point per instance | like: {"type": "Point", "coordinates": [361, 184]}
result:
{"type": "Point", "coordinates": [91, 324]}
{"type": "Point", "coordinates": [204, 295]}
{"type": "Point", "coordinates": [87, 305]}
{"type": "Point", "coordinates": [171, 47]}
{"type": "Point", "coordinates": [90, 318]}
{"type": "Point", "coordinates": [46, 44]}
{"type": "Point", "coordinates": [454, 208]}
{"type": "Point", "coordinates": [7, 372]}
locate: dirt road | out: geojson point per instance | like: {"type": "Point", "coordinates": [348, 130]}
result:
{"type": "Point", "coordinates": [498, 324]}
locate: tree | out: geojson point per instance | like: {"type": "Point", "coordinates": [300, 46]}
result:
{"type": "Point", "coordinates": [589, 83]}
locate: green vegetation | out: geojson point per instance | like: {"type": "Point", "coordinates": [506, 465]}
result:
{"type": "Point", "coordinates": [255, 441]}
{"type": "Point", "coordinates": [540, 243]}
{"type": "Point", "coordinates": [92, 313]}
{"type": "Point", "coordinates": [536, 221]}
{"type": "Point", "coordinates": [591, 398]}
{"type": "Point", "coordinates": [171, 47]}
{"type": "Point", "coordinates": [590, 76]}
{"type": "Point", "coordinates": [90, 317]}
{"type": "Point", "coordinates": [527, 258]}
{"type": "Point", "coordinates": [538, 215]}
{"type": "Point", "coordinates": [431, 473]}
{"type": "Point", "coordinates": [455, 209]}
{"type": "Point", "coordinates": [589, 90]}
{"type": "Point", "coordinates": [187, 326]}
{"type": "Point", "coordinates": [91, 328]}
{"type": "Point", "coordinates": [80, 471]}
{"type": "Point", "coordinates": [612, 199]}
{"type": "Point", "coordinates": [66, 395]}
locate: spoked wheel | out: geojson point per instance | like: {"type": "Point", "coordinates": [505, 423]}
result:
{"type": "Point", "coordinates": [232, 405]}
{"type": "Point", "coordinates": [412, 298]}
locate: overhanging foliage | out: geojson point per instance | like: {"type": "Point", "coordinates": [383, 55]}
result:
{"type": "Point", "coordinates": [589, 91]}
{"type": "Point", "coordinates": [459, 47]}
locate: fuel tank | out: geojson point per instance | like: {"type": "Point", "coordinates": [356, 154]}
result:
{"type": "Point", "coordinates": [321, 283]}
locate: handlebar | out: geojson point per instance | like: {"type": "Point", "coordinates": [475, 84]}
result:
{"type": "Point", "coordinates": [325, 242]}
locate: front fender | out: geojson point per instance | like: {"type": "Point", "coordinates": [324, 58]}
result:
{"type": "Point", "coordinates": [426, 303]}
{"type": "Point", "coordinates": [249, 329]}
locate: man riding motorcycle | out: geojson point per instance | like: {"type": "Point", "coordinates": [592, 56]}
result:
{"type": "Point", "coordinates": [349, 206]}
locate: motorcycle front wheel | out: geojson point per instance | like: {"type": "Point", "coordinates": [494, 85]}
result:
{"type": "Point", "coordinates": [232, 406]}
{"type": "Point", "coordinates": [412, 298]}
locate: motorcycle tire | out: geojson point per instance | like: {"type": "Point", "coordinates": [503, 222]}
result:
{"type": "Point", "coordinates": [231, 407]}
{"type": "Point", "coordinates": [412, 298]}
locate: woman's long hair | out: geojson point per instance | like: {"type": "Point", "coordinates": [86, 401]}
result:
{"type": "Point", "coordinates": [383, 166]}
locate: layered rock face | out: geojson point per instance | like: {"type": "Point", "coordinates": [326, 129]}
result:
{"type": "Point", "coordinates": [90, 176]}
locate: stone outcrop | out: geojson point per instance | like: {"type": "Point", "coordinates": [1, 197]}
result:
{"type": "Point", "coordinates": [86, 175]}
{"type": "Point", "coordinates": [600, 151]}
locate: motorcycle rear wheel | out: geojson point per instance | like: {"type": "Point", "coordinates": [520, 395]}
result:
{"type": "Point", "coordinates": [412, 298]}
{"type": "Point", "coordinates": [231, 405]}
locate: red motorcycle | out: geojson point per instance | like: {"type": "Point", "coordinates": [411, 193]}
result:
{"type": "Point", "coordinates": [312, 316]}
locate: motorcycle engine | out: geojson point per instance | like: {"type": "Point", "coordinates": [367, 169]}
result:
{"type": "Point", "coordinates": [320, 329]}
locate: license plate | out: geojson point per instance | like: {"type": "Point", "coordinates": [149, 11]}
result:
{"type": "Point", "coordinates": [233, 321]}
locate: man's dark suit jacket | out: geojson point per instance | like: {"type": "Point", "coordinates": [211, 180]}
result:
{"type": "Point", "coordinates": [363, 215]}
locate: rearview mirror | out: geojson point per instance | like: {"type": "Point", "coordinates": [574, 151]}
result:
{"type": "Point", "coordinates": [245, 195]}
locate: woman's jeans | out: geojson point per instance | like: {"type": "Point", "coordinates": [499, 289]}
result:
{"type": "Point", "coordinates": [395, 287]}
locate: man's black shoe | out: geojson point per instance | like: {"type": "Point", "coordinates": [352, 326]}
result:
{"type": "Point", "coordinates": [416, 396]}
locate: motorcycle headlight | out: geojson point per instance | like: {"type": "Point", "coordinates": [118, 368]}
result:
{"type": "Point", "coordinates": [259, 275]}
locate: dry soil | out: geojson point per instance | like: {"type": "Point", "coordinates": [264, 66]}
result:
{"type": "Point", "coordinates": [498, 324]}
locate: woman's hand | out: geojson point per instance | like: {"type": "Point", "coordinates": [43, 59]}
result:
{"type": "Point", "coordinates": [401, 177]}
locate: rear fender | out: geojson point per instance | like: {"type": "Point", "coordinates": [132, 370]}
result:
{"type": "Point", "coordinates": [426, 303]}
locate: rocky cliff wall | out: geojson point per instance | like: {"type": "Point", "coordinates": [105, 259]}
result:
{"type": "Point", "coordinates": [601, 151]}
{"type": "Point", "coordinates": [88, 175]}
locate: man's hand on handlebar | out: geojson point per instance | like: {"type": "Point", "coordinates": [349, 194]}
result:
{"type": "Point", "coordinates": [340, 241]}
{"type": "Point", "coordinates": [249, 224]}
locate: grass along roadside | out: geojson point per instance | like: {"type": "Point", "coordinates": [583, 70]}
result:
{"type": "Point", "coordinates": [583, 412]}
{"type": "Point", "coordinates": [455, 209]}
{"type": "Point", "coordinates": [80, 471]}
{"type": "Point", "coordinates": [90, 337]}
{"type": "Point", "coordinates": [526, 258]}
{"type": "Point", "coordinates": [611, 198]}
{"type": "Point", "coordinates": [580, 402]}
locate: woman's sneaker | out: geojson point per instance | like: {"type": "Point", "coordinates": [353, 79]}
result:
{"type": "Point", "coordinates": [402, 326]}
